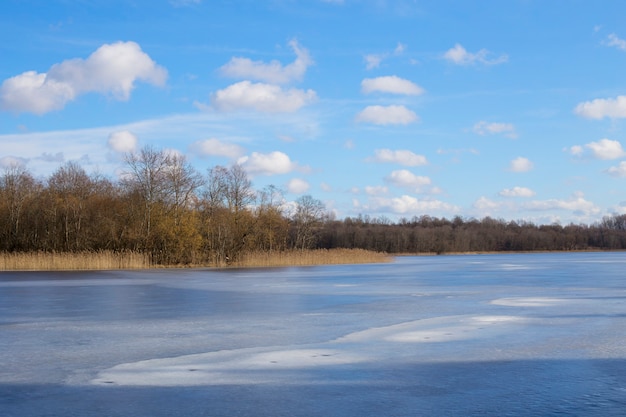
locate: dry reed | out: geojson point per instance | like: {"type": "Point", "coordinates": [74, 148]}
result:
{"type": "Point", "coordinates": [68, 261]}
{"type": "Point", "coordinates": [107, 260]}
{"type": "Point", "coordinates": [310, 257]}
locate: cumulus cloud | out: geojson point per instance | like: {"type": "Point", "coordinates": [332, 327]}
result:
{"type": "Point", "coordinates": [521, 164]}
{"type": "Point", "coordinates": [267, 164]}
{"type": "Point", "coordinates": [215, 147]}
{"type": "Point", "coordinates": [406, 179]}
{"type": "Point", "coordinates": [391, 84]}
{"type": "Point", "coordinates": [491, 128]}
{"type": "Point", "coordinates": [613, 108]}
{"type": "Point", "coordinates": [402, 157]}
{"type": "Point", "coordinates": [261, 97]}
{"type": "Point", "coordinates": [618, 171]}
{"type": "Point", "coordinates": [122, 141]}
{"type": "Point", "coordinates": [517, 192]}
{"type": "Point", "coordinates": [387, 115]}
{"type": "Point", "coordinates": [112, 69]}
{"type": "Point", "coordinates": [606, 149]}
{"type": "Point", "coordinates": [273, 72]}
{"type": "Point", "coordinates": [460, 56]}
{"type": "Point", "coordinates": [297, 186]}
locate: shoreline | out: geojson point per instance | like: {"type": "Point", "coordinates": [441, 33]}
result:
{"type": "Point", "coordinates": [110, 261]}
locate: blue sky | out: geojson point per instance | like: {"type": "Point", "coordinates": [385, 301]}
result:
{"type": "Point", "coordinates": [509, 109]}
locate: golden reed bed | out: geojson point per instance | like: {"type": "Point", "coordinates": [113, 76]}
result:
{"type": "Point", "coordinates": [107, 260]}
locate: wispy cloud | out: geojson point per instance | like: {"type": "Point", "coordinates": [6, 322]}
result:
{"type": "Point", "coordinates": [387, 115]}
{"type": "Point", "coordinates": [517, 192]}
{"type": "Point", "coordinates": [491, 128]}
{"type": "Point", "coordinates": [401, 157]}
{"type": "Point", "coordinates": [460, 56]}
{"type": "Point", "coordinates": [615, 41]}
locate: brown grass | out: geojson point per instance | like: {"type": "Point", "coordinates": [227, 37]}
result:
{"type": "Point", "coordinates": [107, 260]}
{"type": "Point", "coordinates": [311, 257]}
{"type": "Point", "coordinates": [67, 261]}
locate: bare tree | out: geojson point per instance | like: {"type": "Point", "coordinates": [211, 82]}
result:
{"type": "Point", "coordinates": [226, 216]}
{"type": "Point", "coordinates": [17, 187]}
{"type": "Point", "coordinates": [147, 178]}
{"type": "Point", "coordinates": [182, 182]}
{"type": "Point", "coordinates": [272, 227]}
{"type": "Point", "coordinates": [307, 219]}
{"type": "Point", "coordinates": [71, 187]}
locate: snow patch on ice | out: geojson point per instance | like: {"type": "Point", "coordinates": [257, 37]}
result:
{"type": "Point", "coordinates": [277, 364]}
{"type": "Point", "coordinates": [530, 301]}
{"type": "Point", "coordinates": [240, 366]}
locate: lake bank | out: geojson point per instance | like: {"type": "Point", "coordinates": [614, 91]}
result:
{"type": "Point", "coordinates": [109, 260]}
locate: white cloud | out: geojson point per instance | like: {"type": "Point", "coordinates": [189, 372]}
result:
{"type": "Point", "coordinates": [517, 192]}
{"type": "Point", "coordinates": [273, 72]}
{"type": "Point", "coordinates": [614, 40]}
{"type": "Point", "coordinates": [606, 149]}
{"type": "Point", "coordinates": [576, 204]}
{"type": "Point", "coordinates": [122, 141]}
{"type": "Point", "coordinates": [111, 69]}
{"type": "Point", "coordinates": [402, 157]}
{"type": "Point", "coordinates": [376, 190]}
{"type": "Point", "coordinates": [618, 171]}
{"type": "Point", "coordinates": [406, 179]}
{"type": "Point", "coordinates": [7, 162]}
{"type": "Point", "coordinates": [387, 115]}
{"type": "Point", "coordinates": [261, 97]}
{"type": "Point", "coordinates": [576, 150]}
{"type": "Point", "coordinates": [297, 186]}
{"type": "Point", "coordinates": [521, 164]}
{"type": "Point", "coordinates": [601, 108]}
{"type": "Point", "coordinates": [460, 56]}
{"type": "Point", "coordinates": [215, 147]}
{"type": "Point", "coordinates": [267, 164]}
{"type": "Point", "coordinates": [486, 205]}
{"type": "Point", "coordinates": [391, 84]}
{"type": "Point", "coordinates": [373, 60]}
{"type": "Point", "coordinates": [483, 128]}
{"type": "Point", "coordinates": [407, 205]}
{"type": "Point", "coordinates": [326, 187]}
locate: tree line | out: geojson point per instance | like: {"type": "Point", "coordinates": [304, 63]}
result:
{"type": "Point", "coordinates": [164, 207]}
{"type": "Point", "coordinates": [161, 206]}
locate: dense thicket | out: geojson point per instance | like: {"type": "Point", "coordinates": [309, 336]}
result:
{"type": "Point", "coordinates": [164, 207]}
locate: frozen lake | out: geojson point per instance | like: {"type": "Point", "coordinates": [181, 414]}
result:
{"type": "Point", "coordinates": [479, 335]}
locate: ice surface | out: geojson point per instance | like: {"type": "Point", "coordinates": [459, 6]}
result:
{"type": "Point", "coordinates": [486, 335]}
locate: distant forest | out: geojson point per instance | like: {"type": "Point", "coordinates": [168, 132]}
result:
{"type": "Point", "coordinates": [163, 207]}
